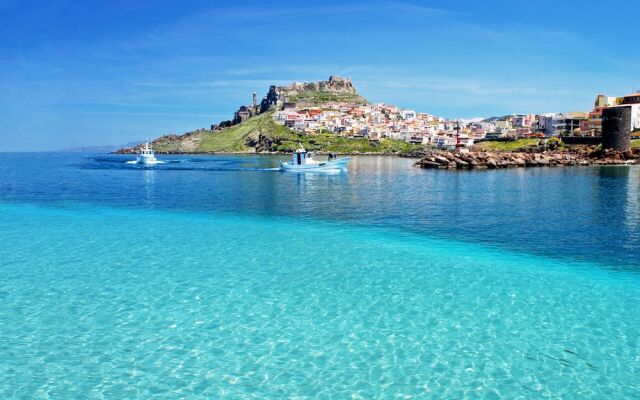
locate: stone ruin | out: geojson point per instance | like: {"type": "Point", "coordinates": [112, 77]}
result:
{"type": "Point", "coordinates": [277, 96]}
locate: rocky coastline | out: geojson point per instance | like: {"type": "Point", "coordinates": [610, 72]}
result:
{"type": "Point", "coordinates": [565, 157]}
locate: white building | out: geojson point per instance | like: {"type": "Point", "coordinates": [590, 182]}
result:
{"type": "Point", "coordinates": [633, 101]}
{"type": "Point", "coordinates": [408, 114]}
{"type": "Point", "coordinates": [449, 141]}
{"type": "Point", "coordinates": [503, 124]}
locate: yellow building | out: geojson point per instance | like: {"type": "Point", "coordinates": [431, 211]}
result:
{"type": "Point", "coordinates": [604, 101]}
{"type": "Point", "coordinates": [629, 99]}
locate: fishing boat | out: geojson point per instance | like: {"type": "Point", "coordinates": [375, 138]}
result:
{"type": "Point", "coordinates": [302, 161]}
{"type": "Point", "coordinates": [146, 156]}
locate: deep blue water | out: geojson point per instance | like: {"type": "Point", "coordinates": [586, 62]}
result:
{"type": "Point", "coordinates": [590, 214]}
{"type": "Point", "coordinates": [220, 276]}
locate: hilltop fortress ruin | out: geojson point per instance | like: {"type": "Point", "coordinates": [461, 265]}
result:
{"type": "Point", "coordinates": [306, 93]}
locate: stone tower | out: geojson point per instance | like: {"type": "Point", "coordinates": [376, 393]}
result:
{"type": "Point", "coordinates": [616, 128]}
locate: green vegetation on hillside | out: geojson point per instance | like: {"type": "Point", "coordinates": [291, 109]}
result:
{"type": "Point", "coordinates": [507, 146]}
{"type": "Point", "coordinates": [324, 97]}
{"type": "Point", "coordinates": [235, 138]}
{"type": "Point", "coordinates": [521, 144]}
{"type": "Point", "coordinates": [263, 134]}
{"type": "Point", "coordinates": [328, 142]}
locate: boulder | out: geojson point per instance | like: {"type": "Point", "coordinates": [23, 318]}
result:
{"type": "Point", "coordinates": [428, 164]}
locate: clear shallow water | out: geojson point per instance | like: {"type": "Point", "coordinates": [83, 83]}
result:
{"type": "Point", "coordinates": [205, 279]}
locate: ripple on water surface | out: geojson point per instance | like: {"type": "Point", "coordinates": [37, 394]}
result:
{"type": "Point", "coordinates": [256, 307]}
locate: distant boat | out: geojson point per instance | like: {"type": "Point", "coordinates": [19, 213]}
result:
{"type": "Point", "coordinates": [302, 161]}
{"type": "Point", "coordinates": [146, 156]}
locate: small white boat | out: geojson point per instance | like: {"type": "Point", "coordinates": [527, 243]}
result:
{"type": "Point", "coordinates": [146, 156]}
{"type": "Point", "coordinates": [302, 161]}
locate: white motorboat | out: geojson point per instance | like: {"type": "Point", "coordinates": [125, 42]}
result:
{"type": "Point", "coordinates": [146, 156]}
{"type": "Point", "coordinates": [302, 161]}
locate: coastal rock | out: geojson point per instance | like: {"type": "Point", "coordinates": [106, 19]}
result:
{"type": "Point", "coordinates": [580, 156]}
{"type": "Point", "coordinates": [441, 160]}
{"type": "Point", "coordinates": [543, 161]}
{"type": "Point", "coordinates": [428, 164]}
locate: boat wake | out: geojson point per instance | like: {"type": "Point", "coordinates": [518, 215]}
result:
{"type": "Point", "coordinates": [180, 164]}
{"type": "Point", "coordinates": [326, 171]}
{"type": "Point", "coordinates": [148, 163]}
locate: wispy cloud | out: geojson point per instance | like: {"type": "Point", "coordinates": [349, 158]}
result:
{"type": "Point", "coordinates": [451, 85]}
{"type": "Point", "coordinates": [277, 17]}
{"type": "Point", "coordinates": [201, 84]}
{"type": "Point", "coordinates": [147, 114]}
{"type": "Point", "coordinates": [253, 13]}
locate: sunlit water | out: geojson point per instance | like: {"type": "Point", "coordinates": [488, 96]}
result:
{"type": "Point", "coordinates": [214, 277]}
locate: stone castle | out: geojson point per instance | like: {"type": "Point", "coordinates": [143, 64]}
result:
{"type": "Point", "coordinates": [278, 95]}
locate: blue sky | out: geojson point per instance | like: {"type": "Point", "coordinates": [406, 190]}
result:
{"type": "Point", "coordinates": [77, 73]}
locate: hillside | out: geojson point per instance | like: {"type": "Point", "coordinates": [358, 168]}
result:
{"type": "Point", "coordinates": [238, 138]}
{"type": "Point", "coordinates": [262, 134]}
{"type": "Point", "coordinates": [253, 128]}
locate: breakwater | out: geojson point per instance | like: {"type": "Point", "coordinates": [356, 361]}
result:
{"type": "Point", "coordinates": [575, 156]}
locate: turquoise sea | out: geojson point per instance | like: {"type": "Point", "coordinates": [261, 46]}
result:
{"type": "Point", "coordinates": [220, 277]}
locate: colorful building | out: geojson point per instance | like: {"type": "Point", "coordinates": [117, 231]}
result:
{"type": "Point", "coordinates": [602, 102]}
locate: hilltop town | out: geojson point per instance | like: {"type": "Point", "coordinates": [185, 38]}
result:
{"type": "Point", "coordinates": [377, 121]}
{"type": "Point", "coordinates": [331, 116]}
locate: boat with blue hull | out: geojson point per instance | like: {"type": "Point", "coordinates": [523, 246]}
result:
{"type": "Point", "coordinates": [302, 161]}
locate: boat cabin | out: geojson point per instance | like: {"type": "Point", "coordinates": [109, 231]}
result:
{"type": "Point", "coordinates": [146, 150]}
{"type": "Point", "coordinates": [302, 157]}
